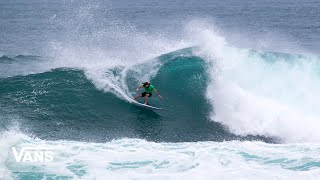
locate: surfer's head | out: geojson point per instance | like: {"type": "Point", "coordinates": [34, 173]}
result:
{"type": "Point", "coordinates": [146, 84]}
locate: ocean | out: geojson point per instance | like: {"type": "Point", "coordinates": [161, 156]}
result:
{"type": "Point", "coordinates": [240, 81]}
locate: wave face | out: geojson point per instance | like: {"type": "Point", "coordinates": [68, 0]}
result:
{"type": "Point", "coordinates": [64, 104]}
{"type": "Point", "coordinates": [209, 95]}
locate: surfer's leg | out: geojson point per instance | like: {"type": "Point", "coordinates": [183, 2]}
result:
{"type": "Point", "coordinates": [147, 97]}
{"type": "Point", "coordinates": [137, 97]}
{"type": "Point", "coordinates": [140, 95]}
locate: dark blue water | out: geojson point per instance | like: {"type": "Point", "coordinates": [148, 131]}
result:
{"type": "Point", "coordinates": [28, 26]}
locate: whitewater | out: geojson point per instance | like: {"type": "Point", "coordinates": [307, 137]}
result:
{"type": "Point", "coordinates": [230, 112]}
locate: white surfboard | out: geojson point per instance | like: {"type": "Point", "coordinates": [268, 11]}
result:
{"type": "Point", "coordinates": [144, 105]}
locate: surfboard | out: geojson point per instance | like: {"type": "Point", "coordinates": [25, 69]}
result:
{"type": "Point", "coordinates": [144, 105]}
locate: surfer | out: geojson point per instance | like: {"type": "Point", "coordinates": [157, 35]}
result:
{"type": "Point", "coordinates": [149, 88]}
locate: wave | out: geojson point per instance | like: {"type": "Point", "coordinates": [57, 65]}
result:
{"type": "Point", "coordinates": [274, 94]}
{"type": "Point", "coordinates": [64, 103]}
{"type": "Point", "coordinates": [24, 65]}
{"type": "Point", "coordinates": [213, 91]}
{"type": "Point", "coordinates": [84, 99]}
{"type": "Point", "coordinates": [5, 58]}
{"type": "Point", "coordinates": [238, 95]}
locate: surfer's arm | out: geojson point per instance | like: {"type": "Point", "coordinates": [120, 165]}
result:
{"type": "Point", "coordinates": [158, 94]}
{"type": "Point", "coordinates": [139, 87]}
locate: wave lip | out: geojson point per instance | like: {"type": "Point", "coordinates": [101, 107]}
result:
{"type": "Point", "coordinates": [261, 92]}
{"type": "Point", "coordinates": [269, 93]}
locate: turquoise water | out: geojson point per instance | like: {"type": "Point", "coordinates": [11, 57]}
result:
{"type": "Point", "coordinates": [63, 100]}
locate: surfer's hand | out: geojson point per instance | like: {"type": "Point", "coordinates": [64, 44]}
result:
{"type": "Point", "coordinates": [160, 96]}
{"type": "Point", "coordinates": [137, 89]}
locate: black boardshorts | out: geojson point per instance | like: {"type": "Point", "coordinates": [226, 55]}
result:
{"type": "Point", "coordinates": [145, 93]}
